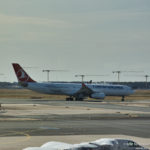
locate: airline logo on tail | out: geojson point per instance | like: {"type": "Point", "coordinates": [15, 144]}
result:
{"type": "Point", "coordinates": [22, 76]}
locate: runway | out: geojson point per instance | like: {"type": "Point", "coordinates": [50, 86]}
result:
{"type": "Point", "coordinates": [127, 105]}
{"type": "Point", "coordinates": [29, 117]}
{"type": "Point", "coordinates": [64, 126]}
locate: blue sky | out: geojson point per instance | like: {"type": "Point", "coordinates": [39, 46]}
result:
{"type": "Point", "coordinates": [82, 36]}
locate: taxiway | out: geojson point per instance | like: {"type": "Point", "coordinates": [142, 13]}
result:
{"type": "Point", "coordinates": [34, 118]}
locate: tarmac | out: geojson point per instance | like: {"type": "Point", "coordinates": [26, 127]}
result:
{"type": "Point", "coordinates": [27, 122]}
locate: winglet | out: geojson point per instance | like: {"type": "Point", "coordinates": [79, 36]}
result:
{"type": "Point", "coordinates": [22, 76]}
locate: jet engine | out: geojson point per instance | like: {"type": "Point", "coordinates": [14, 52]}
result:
{"type": "Point", "coordinates": [98, 95]}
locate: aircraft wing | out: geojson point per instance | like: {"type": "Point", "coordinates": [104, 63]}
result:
{"type": "Point", "coordinates": [83, 92]}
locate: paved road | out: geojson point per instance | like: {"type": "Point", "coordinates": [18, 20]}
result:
{"type": "Point", "coordinates": [133, 127]}
{"type": "Point", "coordinates": [76, 124]}
{"type": "Point", "coordinates": [95, 104]}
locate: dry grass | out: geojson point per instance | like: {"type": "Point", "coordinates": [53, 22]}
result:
{"type": "Point", "coordinates": [28, 94]}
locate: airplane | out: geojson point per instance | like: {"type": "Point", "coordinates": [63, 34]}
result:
{"type": "Point", "coordinates": [74, 91]}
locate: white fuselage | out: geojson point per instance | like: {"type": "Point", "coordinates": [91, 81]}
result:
{"type": "Point", "coordinates": [71, 88]}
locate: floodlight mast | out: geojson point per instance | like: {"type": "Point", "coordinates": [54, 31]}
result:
{"type": "Point", "coordinates": [146, 83]}
{"type": "Point", "coordinates": [82, 76]}
{"type": "Point", "coordinates": [119, 72]}
{"type": "Point", "coordinates": [48, 72]}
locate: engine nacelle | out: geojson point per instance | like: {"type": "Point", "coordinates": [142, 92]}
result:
{"type": "Point", "coordinates": [98, 95]}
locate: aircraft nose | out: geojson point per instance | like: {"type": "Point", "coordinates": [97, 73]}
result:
{"type": "Point", "coordinates": [132, 91]}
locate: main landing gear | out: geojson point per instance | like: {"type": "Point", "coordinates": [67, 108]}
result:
{"type": "Point", "coordinates": [69, 98]}
{"type": "Point", "coordinates": [78, 99]}
{"type": "Point", "coordinates": [123, 97]}
{"type": "Point", "coordinates": [74, 98]}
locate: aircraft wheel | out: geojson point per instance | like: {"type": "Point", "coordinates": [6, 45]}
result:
{"type": "Point", "coordinates": [79, 99]}
{"type": "Point", "coordinates": [71, 98]}
{"type": "Point", "coordinates": [122, 99]}
{"type": "Point", "coordinates": [67, 99]}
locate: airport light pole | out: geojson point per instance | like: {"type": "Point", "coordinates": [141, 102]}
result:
{"type": "Point", "coordinates": [48, 72]}
{"type": "Point", "coordinates": [118, 72]}
{"type": "Point", "coordinates": [82, 76]}
{"type": "Point", "coordinates": [146, 76]}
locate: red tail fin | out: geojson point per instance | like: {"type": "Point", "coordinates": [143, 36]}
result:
{"type": "Point", "coordinates": [22, 76]}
